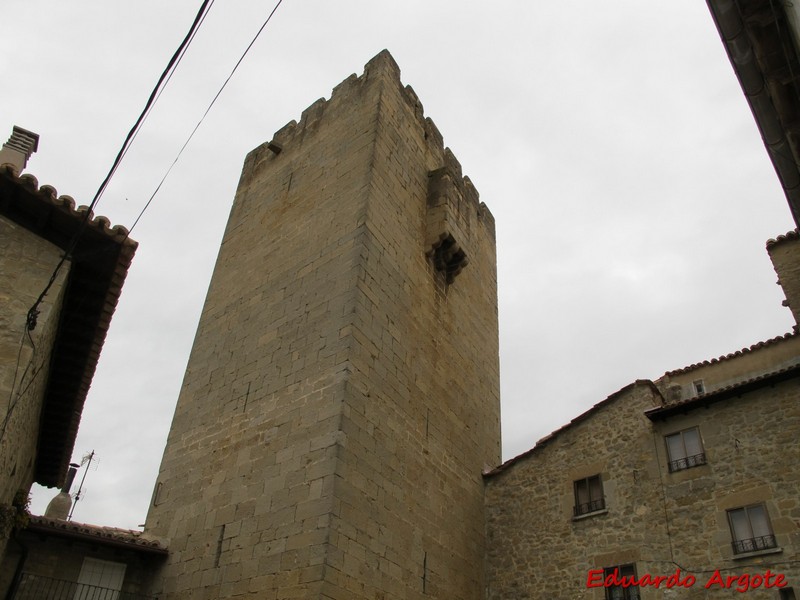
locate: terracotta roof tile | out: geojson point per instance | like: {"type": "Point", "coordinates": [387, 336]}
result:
{"type": "Point", "coordinates": [754, 347]}
{"type": "Point", "coordinates": [112, 536]}
{"type": "Point", "coordinates": [791, 235]}
{"type": "Point", "coordinates": [581, 417]}
{"type": "Point", "coordinates": [98, 269]}
{"type": "Point", "coordinates": [729, 391]}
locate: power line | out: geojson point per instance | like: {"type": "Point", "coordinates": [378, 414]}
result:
{"type": "Point", "coordinates": [205, 114]}
{"type": "Point", "coordinates": [165, 76]}
{"type": "Point", "coordinates": [160, 88]}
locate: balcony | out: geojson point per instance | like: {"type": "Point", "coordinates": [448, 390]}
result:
{"type": "Point", "coordinates": [36, 587]}
{"type": "Point", "coordinates": [589, 507]}
{"type": "Point", "coordinates": [687, 463]}
{"type": "Point", "coordinates": [764, 542]}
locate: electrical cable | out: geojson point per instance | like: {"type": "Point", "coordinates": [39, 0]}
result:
{"type": "Point", "coordinates": [161, 88]}
{"type": "Point", "coordinates": [177, 55]}
{"type": "Point", "coordinates": [12, 403]}
{"type": "Point", "coordinates": [205, 114]}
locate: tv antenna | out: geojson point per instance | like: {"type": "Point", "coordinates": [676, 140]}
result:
{"type": "Point", "coordinates": [86, 461]}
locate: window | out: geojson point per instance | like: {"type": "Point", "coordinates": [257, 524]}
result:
{"type": "Point", "coordinates": [100, 580]}
{"type": "Point", "coordinates": [685, 450]}
{"type": "Point", "coordinates": [589, 495]}
{"type": "Point", "coordinates": [619, 592]}
{"type": "Point", "coordinates": [750, 529]}
{"type": "Point", "coordinates": [787, 594]}
{"type": "Point", "coordinates": [699, 386]}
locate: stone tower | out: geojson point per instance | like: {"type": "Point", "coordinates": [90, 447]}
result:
{"type": "Point", "coordinates": [342, 396]}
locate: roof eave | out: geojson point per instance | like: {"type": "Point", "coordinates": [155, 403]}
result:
{"type": "Point", "coordinates": [756, 80]}
{"type": "Point", "coordinates": [733, 391]}
{"type": "Point", "coordinates": [99, 266]}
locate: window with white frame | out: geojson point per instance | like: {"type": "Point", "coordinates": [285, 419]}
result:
{"type": "Point", "coordinates": [685, 449]}
{"type": "Point", "coordinates": [750, 529]}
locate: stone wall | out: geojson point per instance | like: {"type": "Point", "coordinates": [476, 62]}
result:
{"type": "Point", "coordinates": [766, 357]}
{"type": "Point", "coordinates": [26, 264]}
{"type": "Point", "coordinates": [654, 519]}
{"type": "Point", "coordinates": [785, 255]}
{"type": "Point", "coordinates": [537, 548]}
{"type": "Point", "coordinates": [50, 557]}
{"type": "Point", "coordinates": [342, 394]}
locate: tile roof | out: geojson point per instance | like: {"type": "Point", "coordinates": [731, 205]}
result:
{"type": "Point", "coordinates": [581, 417]}
{"type": "Point", "coordinates": [730, 391]}
{"type": "Point", "coordinates": [108, 536]}
{"type": "Point", "coordinates": [754, 347]}
{"type": "Point", "coordinates": [791, 235]}
{"type": "Point", "coordinates": [98, 267]}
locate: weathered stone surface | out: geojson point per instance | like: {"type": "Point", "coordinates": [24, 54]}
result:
{"type": "Point", "coordinates": [341, 398]}
{"type": "Point", "coordinates": [26, 264]}
{"type": "Point", "coordinates": [653, 518]}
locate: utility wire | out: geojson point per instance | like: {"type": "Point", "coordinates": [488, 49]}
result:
{"type": "Point", "coordinates": [205, 114]}
{"type": "Point", "coordinates": [33, 311]}
{"type": "Point", "coordinates": [172, 70]}
{"type": "Point", "coordinates": [12, 402]}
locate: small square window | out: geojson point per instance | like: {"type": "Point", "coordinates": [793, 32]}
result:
{"type": "Point", "coordinates": [750, 529]}
{"type": "Point", "coordinates": [619, 592]}
{"type": "Point", "coordinates": [699, 386]}
{"type": "Point", "coordinates": [589, 496]}
{"type": "Point", "coordinates": [685, 450]}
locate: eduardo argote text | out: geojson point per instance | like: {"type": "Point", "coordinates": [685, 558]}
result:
{"type": "Point", "coordinates": [741, 582]}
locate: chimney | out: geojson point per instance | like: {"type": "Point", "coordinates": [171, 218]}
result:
{"type": "Point", "coordinates": [60, 505]}
{"type": "Point", "coordinates": [19, 147]}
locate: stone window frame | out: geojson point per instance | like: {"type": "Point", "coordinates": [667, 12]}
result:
{"type": "Point", "coordinates": [582, 489]}
{"type": "Point", "coordinates": [682, 461]}
{"type": "Point", "coordinates": [744, 540]}
{"type": "Point", "coordinates": [618, 592]}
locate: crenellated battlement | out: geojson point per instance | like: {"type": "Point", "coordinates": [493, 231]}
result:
{"type": "Point", "coordinates": [356, 359]}
{"type": "Point", "coordinates": [381, 68]}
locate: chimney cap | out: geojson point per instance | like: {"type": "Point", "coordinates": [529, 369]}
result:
{"type": "Point", "coordinates": [19, 147]}
{"type": "Point", "coordinates": [18, 132]}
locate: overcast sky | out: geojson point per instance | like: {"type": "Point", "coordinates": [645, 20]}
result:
{"type": "Point", "coordinates": [611, 141]}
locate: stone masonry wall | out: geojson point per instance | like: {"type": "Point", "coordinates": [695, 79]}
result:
{"type": "Point", "coordinates": [26, 263]}
{"type": "Point", "coordinates": [536, 548]}
{"type": "Point", "coordinates": [55, 557]}
{"type": "Point", "coordinates": [760, 359]}
{"type": "Point", "coordinates": [785, 254]}
{"type": "Point", "coordinates": [657, 520]}
{"type": "Point", "coordinates": [421, 415]}
{"type": "Point", "coordinates": [319, 440]}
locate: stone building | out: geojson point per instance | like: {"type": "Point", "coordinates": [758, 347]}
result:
{"type": "Point", "coordinates": [762, 40]}
{"type": "Point", "coordinates": [696, 474]}
{"type": "Point", "coordinates": [69, 560]}
{"type": "Point", "coordinates": [47, 355]}
{"type": "Point", "coordinates": [337, 433]}
{"type": "Point", "coordinates": [338, 422]}
{"type": "Point", "coordinates": [341, 399]}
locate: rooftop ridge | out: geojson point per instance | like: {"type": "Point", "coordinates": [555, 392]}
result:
{"type": "Point", "coordinates": [67, 205]}
{"type": "Point", "coordinates": [97, 533]}
{"type": "Point", "coordinates": [724, 392]}
{"type": "Point", "coordinates": [543, 442]}
{"type": "Point", "coordinates": [749, 349]}
{"type": "Point", "coordinates": [794, 234]}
